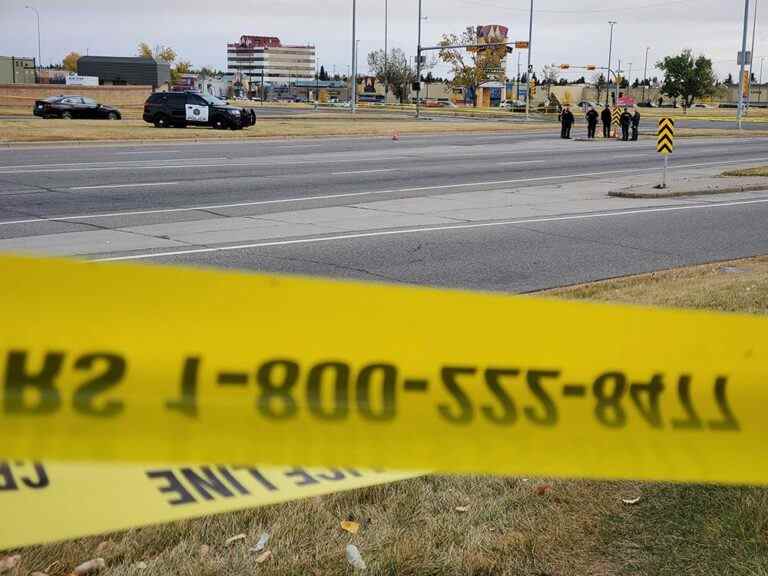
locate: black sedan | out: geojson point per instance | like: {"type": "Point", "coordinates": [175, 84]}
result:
{"type": "Point", "coordinates": [69, 107]}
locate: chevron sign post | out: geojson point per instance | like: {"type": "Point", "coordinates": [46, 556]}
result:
{"type": "Point", "coordinates": [665, 143]}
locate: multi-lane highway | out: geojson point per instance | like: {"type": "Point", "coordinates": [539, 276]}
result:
{"type": "Point", "coordinates": [503, 212]}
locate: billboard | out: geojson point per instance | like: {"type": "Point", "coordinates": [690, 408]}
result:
{"type": "Point", "coordinates": [494, 34]}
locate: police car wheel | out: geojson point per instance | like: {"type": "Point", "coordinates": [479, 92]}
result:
{"type": "Point", "coordinates": [219, 124]}
{"type": "Point", "coordinates": [66, 115]}
{"type": "Point", "coordinates": [161, 122]}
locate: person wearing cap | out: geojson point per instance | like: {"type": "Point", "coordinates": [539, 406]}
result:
{"type": "Point", "coordinates": [625, 120]}
{"type": "Point", "coordinates": [566, 120]}
{"type": "Point", "coordinates": [592, 117]}
{"type": "Point", "coordinates": [605, 116]}
{"type": "Point", "coordinates": [635, 125]}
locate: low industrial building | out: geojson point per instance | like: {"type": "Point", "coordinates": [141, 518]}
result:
{"type": "Point", "coordinates": [15, 70]}
{"type": "Point", "coordinates": [125, 71]}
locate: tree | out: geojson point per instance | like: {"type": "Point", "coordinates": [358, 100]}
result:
{"type": "Point", "coordinates": [472, 67]}
{"type": "Point", "coordinates": [163, 53]}
{"type": "Point", "coordinates": [551, 74]}
{"type": "Point", "coordinates": [600, 84]}
{"type": "Point", "coordinates": [323, 76]}
{"type": "Point", "coordinates": [729, 80]}
{"type": "Point", "coordinates": [397, 72]}
{"type": "Point", "coordinates": [687, 77]}
{"type": "Point", "coordinates": [70, 61]}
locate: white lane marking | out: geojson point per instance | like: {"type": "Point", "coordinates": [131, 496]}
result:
{"type": "Point", "coordinates": [521, 162]}
{"type": "Point", "coordinates": [155, 151]}
{"type": "Point", "coordinates": [137, 185]}
{"type": "Point", "coordinates": [638, 155]}
{"type": "Point", "coordinates": [371, 193]}
{"type": "Point", "coordinates": [541, 220]}
{"type": "Point", "coordinates": [123, 164]}
{"type": "Point", "coordinates": [363, 171]}
{"type": "Point", "coordinates": [261, 163]}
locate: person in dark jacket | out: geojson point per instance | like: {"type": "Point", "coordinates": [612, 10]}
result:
{"type": "Point", "coordinates": [635, 125]}
{"type": "Point", "coordinates": [625, 120]}
{"type": "Point", "coordinates": [592, 117]}
{"type": "Point", "coordinates": [605, 116]}
{"type": "Point", "coordinates": [566, 120]}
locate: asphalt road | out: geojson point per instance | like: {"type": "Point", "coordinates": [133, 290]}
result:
{"type": "Point", "coordinates": [500, 212]}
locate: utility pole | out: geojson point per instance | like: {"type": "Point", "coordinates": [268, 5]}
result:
{"type": "Point", "coordinates": [353, 103]}
{"type": "Point", "coordinates": [610, 62]}
{"type": "Point", "coordinates": [645, 71]}
{"type": "Point", "coordinates": [760, 82]}
{"type": "Point", "coordinates": [386, 51]}
{"type": "Point", "coordinates": [39, 52]}
{"type": "Point", "coordinates": [418, 67]}
{"type": "Point", "coordinates": [629, 80]}
{"type": "Point", "coordinates": [529, 76]}
{"type": "Point", "coordinates": [742, 85]}
{"type": "Point", "coordinates": [752, 59]}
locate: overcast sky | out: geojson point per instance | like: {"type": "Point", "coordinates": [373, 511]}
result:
{"type": "Point", "coordinates": [570, 31]}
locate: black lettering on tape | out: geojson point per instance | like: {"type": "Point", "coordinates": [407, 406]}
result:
{"type": "Point", "coordinates": [7, 481]}
{"type": "Point", "coordinates": [18, 380]}
{"type": "Point", "coordinates": [206, 482]}
{"type": "Point", "coordinates": [259, 477]}
{"type": "Point", "coordinates": [334, 475]}
{"type": "Point", "coordinates": [306, 477]}
{"type": "Point", "coordinates": [234, 482]}
{"type": "Point", "coordinates": [110, 377]}
{"type": "Point", "coordinates": [173, 486]}
{"type": "Point", "coordinates": [42, 480]}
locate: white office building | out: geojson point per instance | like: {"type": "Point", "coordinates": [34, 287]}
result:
{"type": "Point", "coordinates": [257, 57]}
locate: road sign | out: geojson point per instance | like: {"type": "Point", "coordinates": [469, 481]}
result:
{"type": "Point", "coordinates": [665, 143]}
{"type": "Point", "coordinates": [740, 59]}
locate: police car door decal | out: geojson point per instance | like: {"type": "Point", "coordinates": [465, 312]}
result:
{"type": "Point", "coordinates": [197, 113]}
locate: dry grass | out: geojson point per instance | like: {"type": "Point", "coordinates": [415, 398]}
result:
{"type": "Point", "coordinates": [321, 125]}
{"type": "Point", "coordinates": [512, 526]}
{"type": "Point", "coordinates": [756, 171]}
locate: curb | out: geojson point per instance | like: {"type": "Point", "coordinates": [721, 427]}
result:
{"type": "Point", "coordinates": [729, 190]}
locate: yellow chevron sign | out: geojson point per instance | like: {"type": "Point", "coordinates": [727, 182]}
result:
{"type": "Point", "coordinates": [666, 136]}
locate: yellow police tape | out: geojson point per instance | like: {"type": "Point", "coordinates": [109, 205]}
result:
{"type": "Point", "coordinates": [158, 364]}
{"type": "Point", "coordinates": [50, 502]}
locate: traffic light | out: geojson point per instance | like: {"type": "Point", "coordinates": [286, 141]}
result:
{"type": "Point", "coordinates": [591, 67]}
{"type": "Point", "coordinates": [533, 87]}
{"type": "Point", "coordinates": [564, 66]}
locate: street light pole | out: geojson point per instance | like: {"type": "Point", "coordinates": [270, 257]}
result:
{"type": "Point", "coordinates": [353, 103]}
{"type": "Point", "coordinates": [629, 79]}
{"type": "Point", "coordinates": [418, 67]}
{"type": "Point", "coordinates": [610, 63]}
{"type": "Point", "coordinates": [386, 49]}
{"type": "Point", "coordinates": [752, 58]}
{"type": "Point", "coordinates": [760, 82]}
{"type": "Point", "coordinates": [742, 84]}
{"type": "Point", "coordinates": [645, 71]}
{"type": "Point", "coordinates": [530, 70]}
{"type": "Point", "coordinates": [39, 52]}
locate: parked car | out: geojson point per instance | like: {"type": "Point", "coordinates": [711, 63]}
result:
{"type": "Point", "coordinates": [584, 105]}
{"type": "Point", "coordinates": [512, 104]}
{"type": "Point", "coordinates": [69, 107]}
{"type": "Point", "coordinates": [182, 109]}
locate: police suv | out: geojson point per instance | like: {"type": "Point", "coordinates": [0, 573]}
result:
{"type": "Point", "coordinates": [181, 109]}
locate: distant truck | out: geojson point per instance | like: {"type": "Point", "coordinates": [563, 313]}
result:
{"type": "Point", "coordinates": [182, 109]}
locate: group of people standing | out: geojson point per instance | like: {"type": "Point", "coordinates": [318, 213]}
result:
{"type": "Point", "coordinates": [627, 120]}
